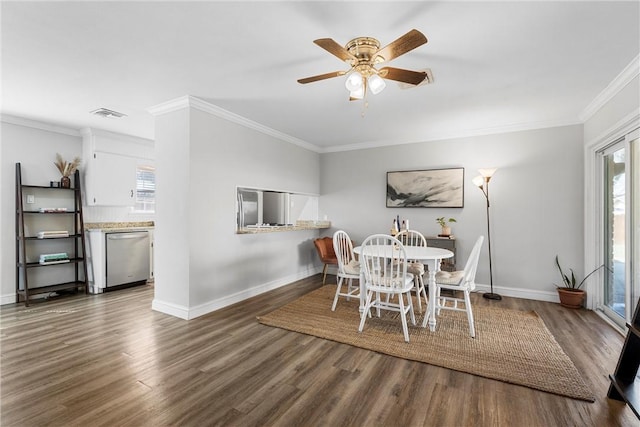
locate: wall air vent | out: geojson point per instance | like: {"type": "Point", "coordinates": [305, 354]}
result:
{"type": "Point", "coordinates": [105, 112]}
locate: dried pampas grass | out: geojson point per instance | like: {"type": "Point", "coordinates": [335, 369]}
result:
{"type": "Point", "coordinates": [66, 168]}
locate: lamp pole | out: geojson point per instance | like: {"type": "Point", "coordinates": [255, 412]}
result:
{"type": "Point", "coordinates": [483, 183]}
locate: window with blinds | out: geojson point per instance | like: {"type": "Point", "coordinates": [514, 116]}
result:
{"type": "Point", "coordinates": [145, 189]}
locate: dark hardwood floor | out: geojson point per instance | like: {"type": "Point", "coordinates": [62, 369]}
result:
{"type": "Point", "coordinates": [109, 360]}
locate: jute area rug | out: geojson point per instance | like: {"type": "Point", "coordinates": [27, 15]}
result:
{"type": "Point", "coordinates": [510, 345]}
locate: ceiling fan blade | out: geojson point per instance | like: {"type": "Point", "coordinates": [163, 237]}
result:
{"type": "Point", "coordinates": [321, 77]}
{"type": "Point", "coordinates": [404, 76]}
{"type": "Point", "coordinates": [400, 46]}
{"type": "Point", "coordinates": [334, 48]}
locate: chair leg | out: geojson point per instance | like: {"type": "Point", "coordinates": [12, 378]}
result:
{"type": "Point", "coordinates": [467, 303]}
{"type": "Point", "coordinates": [367, 307]}
{"type": "Point", "coordinates": [324, 273]}
{"type": "Point", "coordinates": [403, 317]}
{"type": "Point", "coordinates": [419, 288]}
{"type": "Point", "coordinates": [335, 299]}
{"type": "Point", "coordinates": [411, 312]}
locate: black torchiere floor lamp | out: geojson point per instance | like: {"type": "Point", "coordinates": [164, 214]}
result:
{"type": "Point", "coordinates": [483, 184]}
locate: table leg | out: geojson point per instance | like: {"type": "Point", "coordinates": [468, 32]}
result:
{"type": "Point", "coordinates": [431, 318]}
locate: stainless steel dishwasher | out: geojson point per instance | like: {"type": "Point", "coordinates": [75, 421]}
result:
{"type": "Point", "coordinates": [127, 257]}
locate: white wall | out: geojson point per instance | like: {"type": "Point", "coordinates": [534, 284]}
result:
{"type": "Point", "coordinates": [200, 159]}
{"type": "Point", "coordinates": [36, 150]}
{"type": "Point", "coordinates": [536, 201]}
{"type": "Point", "coordinates": [34, 145]}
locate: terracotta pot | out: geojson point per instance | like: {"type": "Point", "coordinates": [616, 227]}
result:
{"type": "Point", "coordinates": [446, 231]}
{"type": "Point", "coordinates": [571, 298]}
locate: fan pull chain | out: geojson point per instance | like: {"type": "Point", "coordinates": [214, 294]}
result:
{"type": "Point", "coordinates": [365, 105]}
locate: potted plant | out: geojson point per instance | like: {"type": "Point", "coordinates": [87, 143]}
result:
{"type": "Point", "coordinates": [446, 230]}
{"type": "Point", "coordinates": [66, 169]}
{"type": "Point", "coordinates": [571, 296]}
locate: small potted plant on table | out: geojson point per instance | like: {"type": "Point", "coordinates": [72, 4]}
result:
{"type": "Point", "coordinates": [446, 230]}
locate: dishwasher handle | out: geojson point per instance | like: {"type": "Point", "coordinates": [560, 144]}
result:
{"type": "Point", "coordinates": [121, 236]}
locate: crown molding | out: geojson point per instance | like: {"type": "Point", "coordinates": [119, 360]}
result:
{"type": "Point", "coordinates": [49, 127]}
{"type": "Point", "coordinates": [169, 106]}
{"type": "Point", "coordinates": [518, 127]}
{"type": "Point", "coordinates": [189, 101]}
{"type": "Point", "coordinates": [626, 124]}
{"type": "Point", "coordinates": [630, 72]}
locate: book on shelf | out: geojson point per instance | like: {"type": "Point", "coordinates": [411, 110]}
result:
{"type": "Point", "coordinates": [52, 234]}
{"type": "Point", "coordinates": [54, 258]}
{"type": "Point", "coordinates": [48, 210]}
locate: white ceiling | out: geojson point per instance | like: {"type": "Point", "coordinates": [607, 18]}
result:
{"type": "Point", "coordinates": [497, 65]}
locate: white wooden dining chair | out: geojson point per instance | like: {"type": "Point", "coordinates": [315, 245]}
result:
{"type": "Point", "coordinates": [464, 281]}
{"type": "Point", "coordinates": [383, 260]}
{"type": "Point", "coordinates": [348, 267]}
{"type": "Point", "coordinates": [415, 267]}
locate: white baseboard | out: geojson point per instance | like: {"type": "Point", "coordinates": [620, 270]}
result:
{"type": "Point", "coordinates": [189, 313]}
{"type": "Point", "coordinates": [8, 299]}
{"type": "Point", "coordinates": [534, 294]}
{"type": "Point", "coordinates": [171, 309]}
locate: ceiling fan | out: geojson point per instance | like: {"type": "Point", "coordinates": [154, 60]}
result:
{"type": "Point", "coordinates": [363, 54]}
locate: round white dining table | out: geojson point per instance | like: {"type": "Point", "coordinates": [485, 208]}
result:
{"type": "Point", "coordinates": [426, 254]}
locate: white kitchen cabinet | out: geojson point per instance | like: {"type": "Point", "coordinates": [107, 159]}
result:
{"type": "Point", "coordinates": [111, 180]}
{"type": "Point", "coordinates": [109, 163]}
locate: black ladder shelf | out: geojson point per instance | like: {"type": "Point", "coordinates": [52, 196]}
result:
{"type": "Point", "coordinates": [625, 382]}
{"type": "Point", "coordinates": [74, 277]}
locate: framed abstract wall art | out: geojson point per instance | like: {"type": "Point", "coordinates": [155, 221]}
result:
{"type": "Point", "coordinates": [432, 188]}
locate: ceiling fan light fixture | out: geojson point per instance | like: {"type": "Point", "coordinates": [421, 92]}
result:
{"type": "Point", "coordinates": [354, 81]}
{"type": "Point", "coordinates": [376, 84]}
{"type": "Point", "coordinates": [357, 94]}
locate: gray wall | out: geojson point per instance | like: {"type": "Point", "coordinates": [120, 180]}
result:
{"type": "Point", "coordinates": [536, 200]}
{"type": "Point", "coordinates": [201, 263]}
{"type": "Point", "coordinates": [536, 197]}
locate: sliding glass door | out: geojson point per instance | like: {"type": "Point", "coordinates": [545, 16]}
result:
{"type": "Point", "coordinates": [620, 228]}
{"type": "Point", "coordinates": [614, 231]}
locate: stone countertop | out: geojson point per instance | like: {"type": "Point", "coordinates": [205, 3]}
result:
{"type": "Point", "coordinates": [300, 225]}
{"type": "Point", "coordinates": [113, 226]}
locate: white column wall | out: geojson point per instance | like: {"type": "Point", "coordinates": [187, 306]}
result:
{"type": "Point", "coordinates": [216, 266]}
{"type": "Point", "coordinates": [173, 210]}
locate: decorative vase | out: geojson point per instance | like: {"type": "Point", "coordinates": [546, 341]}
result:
{"type": "Point", "coordinates": [65, 182]}
{"type": "Point", "coordinates": [571, 298]}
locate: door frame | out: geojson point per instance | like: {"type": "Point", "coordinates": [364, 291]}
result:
{"type": "Point", "coordinates": [593, 217]}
